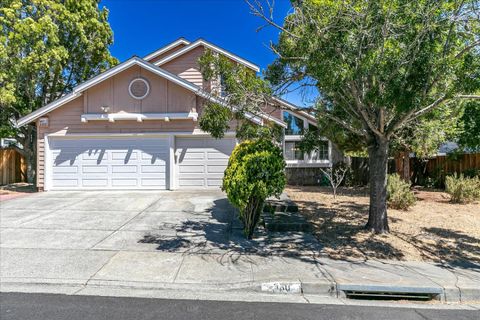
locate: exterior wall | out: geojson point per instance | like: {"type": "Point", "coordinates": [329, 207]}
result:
{"type": "Point", "coordinates": [164, 96]}
{"type": "Point", "coordinates": [166, 53]}
{"type": "Point", "coordinates": [186, 66]}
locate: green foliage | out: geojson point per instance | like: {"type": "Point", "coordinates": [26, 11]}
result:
{"type": "Point", "coordinates": [239, 87]}
{"type": "Point", "coordinates": [399, 195]}
{"type": "Point", "coordinates": [46, 48]}
{"type": "Point", "coordinates": [379, 66]}
{"type": "Point", "coordinates": [462, 189]}
{"type": "Point", "coordinates": [255, 172]}
{"type": "Point", "coordinates": [215, 119]}
{"type": "Point", "coordinates": [470, 137]}
{"type": "Point", "coordinates": [246, 130]}
{"type": "Point", "coordinates": [425, 135]}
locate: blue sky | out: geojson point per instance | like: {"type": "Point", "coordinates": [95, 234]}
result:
{"type": "Point", "coordinates": [142, 26]}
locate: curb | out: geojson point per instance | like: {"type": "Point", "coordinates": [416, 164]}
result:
{"type": "Point", "coordinates": [317, 288]}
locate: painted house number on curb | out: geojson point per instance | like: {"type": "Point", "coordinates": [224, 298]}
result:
{"type": "Point", "coordinates": [279, 287]}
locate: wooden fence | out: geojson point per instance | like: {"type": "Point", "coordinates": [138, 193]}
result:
{"type": "Point", "coordinates": [13, 167]}
{"type": "Point", "coordinates": [435, 169]}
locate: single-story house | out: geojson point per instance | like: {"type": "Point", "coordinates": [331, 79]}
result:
{"type": "Point", "coordinates": [135, 126]}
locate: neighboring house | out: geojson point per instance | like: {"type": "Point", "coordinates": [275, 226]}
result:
{"type": "Point", "coordinates": [135, 127]}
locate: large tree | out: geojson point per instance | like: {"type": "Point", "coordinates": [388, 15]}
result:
{"type": "Point", "coordinates": [379, 66]}
{"type": "Point", "coordinates": [47, 47]}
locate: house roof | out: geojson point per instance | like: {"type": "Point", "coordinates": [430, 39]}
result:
{"type": "Point", "coordinates": [164, 49]}
{"type": "Point", "coordinates": [201, 42]}
{"type": "Point", "coordinates": [78, 90]}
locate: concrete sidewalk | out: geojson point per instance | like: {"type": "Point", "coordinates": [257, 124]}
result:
{"type": "Point", "coordinates": [83, 242]}
{"type": "Point", "coordinates": [76, 270]}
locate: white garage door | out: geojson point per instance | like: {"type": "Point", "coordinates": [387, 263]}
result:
{"type": "Point", "coordinates": [118, 163]}
{"type": "Point", "coordinates": [202, 161]}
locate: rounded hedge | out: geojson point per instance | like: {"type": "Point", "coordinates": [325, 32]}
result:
{"type": "Point", "coordinates": [255, 172]}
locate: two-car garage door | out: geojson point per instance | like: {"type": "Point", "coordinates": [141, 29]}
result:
{"type": "Point", "coordinates": [137, 162]}
{"type": "Point", "coordinates": [118, 163]}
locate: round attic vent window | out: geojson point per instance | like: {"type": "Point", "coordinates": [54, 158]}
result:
{"type": "Point", "coordinates": [139, 88]}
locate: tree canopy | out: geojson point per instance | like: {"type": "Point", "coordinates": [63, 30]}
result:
{"type": "Point", "coordinates": [380, 66]}
{"type": "Point", "coordinates": [47, 47]}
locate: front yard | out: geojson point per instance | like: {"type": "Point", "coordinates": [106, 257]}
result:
{"type": "Point", "coordinates": [433, 230]}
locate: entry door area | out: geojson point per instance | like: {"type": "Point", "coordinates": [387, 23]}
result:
{"type": "Point", "coordinates": [109, 163]}
{"type": "Point", "coordinates": [201, 162]}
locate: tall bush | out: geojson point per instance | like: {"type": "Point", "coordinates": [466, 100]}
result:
{"type": "Point", "coordinates": [461, 189]}
{"type": "Point", "coordinates": [399, 195]}
{"type": "Point", "coordinates": [255, 172]}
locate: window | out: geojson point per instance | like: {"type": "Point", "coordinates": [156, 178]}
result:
{"type": "Point", "coordinates": [321, 153]}
{"type": "Point", "coordinates": [294, 124]}
{"type": "Point", "coordinates": [292, 151]}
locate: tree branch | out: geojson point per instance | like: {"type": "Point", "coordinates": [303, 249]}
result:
{"type": "Point", "coordinates": [344, 124]}
{"type": "Point", "coordinates": [257, 10]}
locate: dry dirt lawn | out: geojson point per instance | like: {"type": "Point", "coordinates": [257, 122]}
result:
{"type": "Point", "coordinates": [433, 230]}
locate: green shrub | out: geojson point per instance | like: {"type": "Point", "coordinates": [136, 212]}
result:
{"type": "Point", "coordinates": [461, 189]}
{"type": "Point", "coordinates": [255, 172]}
{"type": "Point", "coordinates": [399, 195]}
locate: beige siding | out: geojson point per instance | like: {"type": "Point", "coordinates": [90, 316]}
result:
{"type": "Point", "coordinates": [166, 53]}
{"type": "Point", "coordinates": [164, 96]}
{"type": "Point", "coordinates": [186, 66]}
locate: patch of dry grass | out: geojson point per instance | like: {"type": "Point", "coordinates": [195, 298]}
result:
{"type": "Point", "coordinates": [433, 230]}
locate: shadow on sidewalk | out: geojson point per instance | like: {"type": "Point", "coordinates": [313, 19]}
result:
{"type": "Point", "coordinates": [222, 234]}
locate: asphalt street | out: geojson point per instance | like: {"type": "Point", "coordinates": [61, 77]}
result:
{"type": "Point", "coordinates": [27, 306]}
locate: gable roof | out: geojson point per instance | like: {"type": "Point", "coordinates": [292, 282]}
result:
{"type": "Point", "coordinates": [211, 46]}
{"type": "Point", "coordinates": [78, 90]}
{"type": "Point", "coordinates": [164, 49]}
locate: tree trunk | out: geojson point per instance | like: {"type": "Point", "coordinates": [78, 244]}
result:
{"type": "Point", "coordinates": [378, 162]}
{"type": "Point", "coordinates": [251, 215]}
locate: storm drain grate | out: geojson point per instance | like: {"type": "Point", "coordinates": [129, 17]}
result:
{"type": "Point", "coordinates": [383, 295]}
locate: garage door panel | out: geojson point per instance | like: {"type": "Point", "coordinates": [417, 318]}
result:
{"type": "Point", "coordinates": [95, 182]}
{"type": "Point", "coordinates": [94, 169]}
{"type": "Point", "coordinates": [153, 182]}
{"type": "Point", "coordinates": [122, 163]}
{"type": "Point", "coordinates": [158, 168]}
{"type": "Point", "coordinates": [65, 182]}
{"type": "Point", "coordinates": [66, 170]}
{"type": "Point", "coordinates": [124, 169]}
{"type": "Point", "coordinates": [202, 161]}
{"type": "Point", "coordinates": [216, 169]}
{"type": "Point", "coordinates": [214, 182]}
{"type": "Point", "coordinates": [116, 182]}
{"type": "Point", "coordinates": [191, 169]}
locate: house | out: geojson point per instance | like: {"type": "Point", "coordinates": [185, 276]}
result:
{"type": "Point", "coordinates": [135, 126]}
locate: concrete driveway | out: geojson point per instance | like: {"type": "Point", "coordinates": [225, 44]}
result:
{"type": "Point", "coordinates": [116, 220]}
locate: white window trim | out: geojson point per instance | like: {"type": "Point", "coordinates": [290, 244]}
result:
{"type": "Point", "coordinates": [305, 162]}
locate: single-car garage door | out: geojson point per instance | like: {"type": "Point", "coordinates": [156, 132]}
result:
{"type": "Point", "coordinates": [118, 163]}
{"type": "Point", "coordinates": [201, 162]}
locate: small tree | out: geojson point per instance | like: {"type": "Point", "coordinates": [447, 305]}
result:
{"type": "Point", "coordinates": [335, 176]}
{"type": "Point", "coordinates": [255, 172]}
